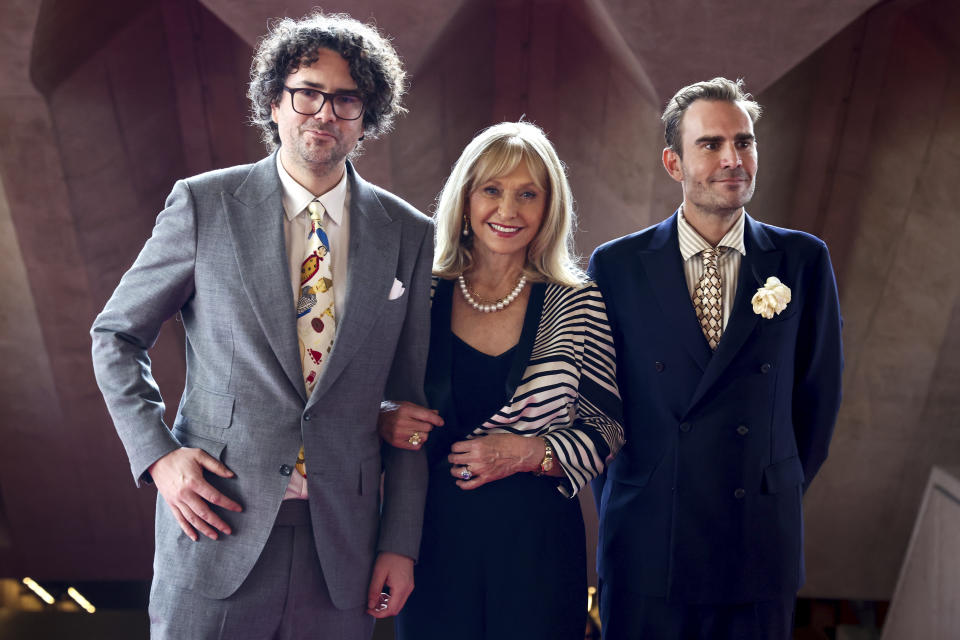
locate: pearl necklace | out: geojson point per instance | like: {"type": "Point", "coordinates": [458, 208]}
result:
{"type": "Point", "coordinates": [495, 306]}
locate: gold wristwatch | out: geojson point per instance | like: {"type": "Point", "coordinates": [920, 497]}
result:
{"type": "Point", "coordinates": [547, 463]}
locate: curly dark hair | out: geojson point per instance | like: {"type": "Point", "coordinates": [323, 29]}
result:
{"type": "Point", "coordinates": [292, 44]}
{"type": "Point", "coordinates": [719, 89]}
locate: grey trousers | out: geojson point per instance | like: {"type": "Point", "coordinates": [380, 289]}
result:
{"type": "Point", "coordinates": [273, 603]}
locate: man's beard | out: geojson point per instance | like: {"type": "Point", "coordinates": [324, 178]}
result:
{"type": "Point", "coordinates": [322, 157]}
{"type": "Point", "coordinates": [711, 201]}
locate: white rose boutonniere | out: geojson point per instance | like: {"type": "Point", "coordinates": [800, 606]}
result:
{"type": "Point", "coordinates": [771, 298]}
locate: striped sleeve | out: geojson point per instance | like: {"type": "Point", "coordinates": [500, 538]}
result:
{"type": "Point", "coordinates": [596, 433]}
{"type": "Point", "coordinates": [568, 393]}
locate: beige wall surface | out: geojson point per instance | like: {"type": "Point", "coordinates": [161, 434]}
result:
{"type": "Point", "coordinates": [926, 602]}
{"type": "Point", "coordinates": [103, 105]}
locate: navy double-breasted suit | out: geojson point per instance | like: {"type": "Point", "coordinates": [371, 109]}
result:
{"type": "Point", "coordinates": [703, 503]}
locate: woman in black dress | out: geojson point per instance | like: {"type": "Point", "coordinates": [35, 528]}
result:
{"type": "Point", "coordinates": [521, 376]}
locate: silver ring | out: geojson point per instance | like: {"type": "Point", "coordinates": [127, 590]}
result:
{"type": "Point", "coordinates": [465, 473]}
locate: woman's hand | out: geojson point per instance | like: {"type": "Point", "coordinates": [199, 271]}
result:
{"type": "Point", "coordinates": [406, 425]}
{"type": "Point", "coordinates": [493, 457]}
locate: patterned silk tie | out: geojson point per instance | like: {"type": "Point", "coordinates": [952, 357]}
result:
{"type": "Point", "coordinates": [707, 298]}
{"type": "Point", "coordinates": [315, 315]}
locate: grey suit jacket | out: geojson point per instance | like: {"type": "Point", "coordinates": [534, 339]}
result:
{"type": "Point", "coordinates": [217, 257]}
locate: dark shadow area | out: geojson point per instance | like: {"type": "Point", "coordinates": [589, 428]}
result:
{"type": "Point", "coordinates": [59, 47]}
{"type": "Point", "coordinates": [824, 619]}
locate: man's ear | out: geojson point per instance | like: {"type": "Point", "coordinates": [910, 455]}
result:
{"type": "Point", "coordinates": [673, 164]}
{"type": "Point", "coordinates": [273, 112]}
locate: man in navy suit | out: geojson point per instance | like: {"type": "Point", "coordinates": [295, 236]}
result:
{"type": "Point", "coordinates": [729, 362]}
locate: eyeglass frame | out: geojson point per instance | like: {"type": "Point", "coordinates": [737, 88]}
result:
{"type": "Point", "coordinates": [326, 96]}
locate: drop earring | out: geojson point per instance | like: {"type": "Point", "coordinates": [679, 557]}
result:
{"type": "Point", "coordinates": [466, 225]}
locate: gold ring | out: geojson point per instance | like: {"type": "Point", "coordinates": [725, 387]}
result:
{"type": "Point", "coordinates": [415, 439]}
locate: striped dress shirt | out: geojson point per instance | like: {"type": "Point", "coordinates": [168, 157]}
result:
{"type": "Point", "coordinates": [692, 245]}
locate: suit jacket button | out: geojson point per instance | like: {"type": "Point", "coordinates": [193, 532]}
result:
{"type": "Point", "coordinates": [285, 469]}
{"type": "Point", "coordinates": [659, 366]}
{"type": "Point", "coordinates": [685, 427]}
{"type": "Point", "coordinates": [307, 417]}
{"type": "Point", "coordinates": [765, 367]}
{"type": "Point", "coordinates": [739, 493]}
{"type": "Point", "coordinates": [743, 430]}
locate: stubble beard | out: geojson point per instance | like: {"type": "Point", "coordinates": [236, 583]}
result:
{"type": "Point", "coordinates": [318, 157]}
{"type": "Point", "coordinates": [712, 202]}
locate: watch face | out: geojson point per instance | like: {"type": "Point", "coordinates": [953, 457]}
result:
{"type": "Point", "coordinates": [546, 465]}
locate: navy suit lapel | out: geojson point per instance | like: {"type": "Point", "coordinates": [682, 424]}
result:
{"type": "Point", "coordinates": [371, 270]}
{"type": "Point", "coordinates": [761, 261]}
{"type": "Point", "coordinates": [664, 268]}
{"type": "Point", "coordinates": [254, 214]}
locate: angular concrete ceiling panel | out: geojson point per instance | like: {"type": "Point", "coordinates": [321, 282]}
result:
{"type": "Point", "coordinates": [659, 44]}
{"type": "Point", "coordinates": [688, 40]}
{"type": "Point", "coordinates": [413, 26]}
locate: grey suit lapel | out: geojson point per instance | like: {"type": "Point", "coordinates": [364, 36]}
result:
{"type": "Point", "coordinates": [371, 269]}
{"type": "Point", "coordinates": [761, 261]}
{"type": "Point", "coordinates": [254, 214]}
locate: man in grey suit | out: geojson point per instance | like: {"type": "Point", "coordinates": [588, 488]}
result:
{"type": "Point", "coordinates": [304, 295]}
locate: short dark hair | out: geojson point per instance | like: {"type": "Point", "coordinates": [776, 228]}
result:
{"type": "Point", "coordinates": [716, 89]}
{"type": "Point", "coordinates": [291, 44]}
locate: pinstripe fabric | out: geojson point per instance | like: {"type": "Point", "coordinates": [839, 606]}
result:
{"type": "Point", "coordinates": [692, 243]}
{"type": "Point", "coordinates": [568, 393]}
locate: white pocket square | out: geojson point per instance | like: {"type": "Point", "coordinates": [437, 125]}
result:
{"type": "Point", "coordinates": [396, 290]}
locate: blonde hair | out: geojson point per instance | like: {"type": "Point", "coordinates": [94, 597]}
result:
{"type": "Point", "coordinates": [495, 152]}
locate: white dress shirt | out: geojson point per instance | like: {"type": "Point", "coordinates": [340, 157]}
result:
{"type": "Point", "coordinates": [296, 227]}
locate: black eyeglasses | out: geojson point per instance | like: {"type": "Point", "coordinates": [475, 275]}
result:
{"type": "Point", "coordinates": [309, 102]}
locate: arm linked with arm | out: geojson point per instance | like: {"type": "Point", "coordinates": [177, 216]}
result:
{"type": "Point", "coordinates": [405, 471]}
{"type": "Point", "coordinates": [583, 448]}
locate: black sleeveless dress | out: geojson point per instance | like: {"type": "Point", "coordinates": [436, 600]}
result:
{"type": "Point", "coordinates": [505, 560]}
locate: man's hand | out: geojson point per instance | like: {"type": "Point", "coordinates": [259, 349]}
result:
{"type": "Point", "coordinates": [390, 570]}
{"type": "Point", "coordinates": [398, 423]}
{"type": "Point", "coordinates": [179, 479]}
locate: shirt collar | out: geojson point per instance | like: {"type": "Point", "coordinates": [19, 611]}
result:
{"type": "Point", "coordinates": [692, 243]}
{"type": "Point", "coordinates": [296, 197]}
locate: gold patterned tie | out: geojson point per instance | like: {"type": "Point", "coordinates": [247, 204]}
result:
{"type": "Point", "coordinates": [315, 314]}
{"type": "Point", "coordinates": [707, 298]}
